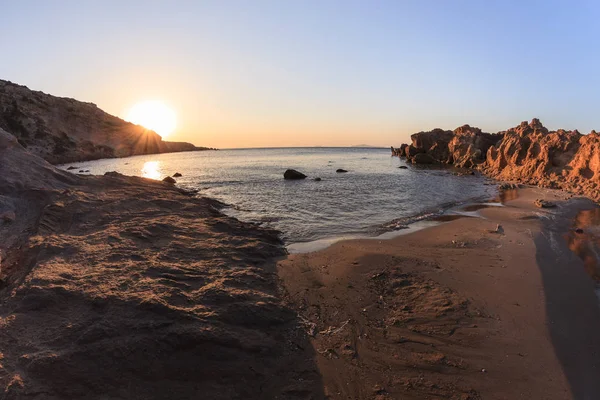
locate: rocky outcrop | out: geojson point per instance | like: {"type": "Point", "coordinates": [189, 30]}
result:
{"type": "Point", "coordinates": [527, 153]}
{"type": "Point", "coordinates": [62, 130]}
{"type": "Point", "coordinates": [464, 147]}
{"type": "Point", "coordinates": [117, 287]}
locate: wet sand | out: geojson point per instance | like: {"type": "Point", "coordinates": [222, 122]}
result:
{"type": "Point", "coordinates": [456, 310]}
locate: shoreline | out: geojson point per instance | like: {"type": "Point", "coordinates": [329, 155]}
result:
{"type": "Point", "coordinates": [131, 288]}
{"type": "Point", "coordinates": [455, 309]}
{"type": "Point", "coordinates": [404, 226]}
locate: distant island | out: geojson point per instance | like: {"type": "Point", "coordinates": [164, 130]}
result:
{"type": "Point", "coordinates": [62, 130]}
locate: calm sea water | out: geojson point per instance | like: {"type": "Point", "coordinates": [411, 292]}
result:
{"type": "Point", "coordinates": [363, 201]}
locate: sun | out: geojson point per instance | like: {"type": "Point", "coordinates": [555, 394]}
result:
{"type": "Point", "coordinates": [154, 115]}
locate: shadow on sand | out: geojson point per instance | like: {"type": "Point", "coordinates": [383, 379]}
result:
{"type": "Point", "coordinates": [572, 307]}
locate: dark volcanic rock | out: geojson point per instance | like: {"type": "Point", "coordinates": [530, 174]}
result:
{"type": "Point", "coordinates": [340, 170]}
{"type": "Point", "coordinates": [403, 167]}
{"type": "Point", "coordinates": [318, 179]}
{"type": "Point", "coordinates": [177, 175]}
{"type": "Point", "coordinates": [168, 179]}
{"type": "Point", "coordinates": [292, 174]}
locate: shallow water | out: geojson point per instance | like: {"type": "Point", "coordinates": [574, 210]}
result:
{"type": "Point", "coordinates": [361, 202]}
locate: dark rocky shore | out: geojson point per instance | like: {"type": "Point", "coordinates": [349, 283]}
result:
{"type": "Point", "coordinates": [527, 153]}
{"type": "Point", "coordinates": [116, 287]}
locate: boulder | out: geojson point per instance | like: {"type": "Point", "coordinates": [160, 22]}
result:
{"type": "Point", "coordinates": [113, 174]}
{"type": "Point", "coordinates": [177, 175]}
{"type": "Point", "coordinates": [292, 174]}
{"type": "Point", "coordinates": [340, 170]}
{"type": "Point", "coordinates": [168, 179]}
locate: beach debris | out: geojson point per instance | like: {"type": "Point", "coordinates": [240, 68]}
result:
{"type": "Point", "coordinates": [579, 230]}
{"type": "Point", "coordinates": [318, 179]}
{"type": "Point", "coordinates": [378, 390]}
{"type": "Point", "coordinates": [329, 353]}
{"type": "Point", "coordinates": [541, 203]}
{"type": "Point", "coordinates": [177, 175]}
{"type": "Point", "coordinates": [309, 327]}
{"type": "Point", "coordinates": [483, 370]}
{"type": "Point", "coordinates": [168, 179]}
{"type": "Point", "coordinates": [71, 167]}
{"type": "Point", "coordinates": [340, 170]}
{"type": "Point", "coordinates": [292, 174]}
{"type": "Point", "coordinates": [458, 243]}
{"type": "Point", "coordinates": [499, 229]}
{"type": "Point", "coordinates": [332, 330]}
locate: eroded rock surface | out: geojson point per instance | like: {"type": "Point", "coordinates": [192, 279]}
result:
{"type": "Point", "coordinates": [527, 153]}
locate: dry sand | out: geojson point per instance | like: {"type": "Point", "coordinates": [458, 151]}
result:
{"type": "Point", "coordinates": [456, 311]}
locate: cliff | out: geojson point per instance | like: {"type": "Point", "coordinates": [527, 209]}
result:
{"type": "Point", "coordinates": [62, 130]}
{"type": "Point", "coordinates": [527, 153]}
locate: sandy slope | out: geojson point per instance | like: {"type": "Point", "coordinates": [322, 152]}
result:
{"type": "Point", "coordinates": [423, 316]}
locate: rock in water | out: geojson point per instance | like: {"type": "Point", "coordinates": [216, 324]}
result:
{"type": "Point", "coordinates": [317, 179]}
{"type": "Point", "coordinates": [177, 175]}
{"type": "Point", "coordinates": [339, 170]}
{"type": "Point", "coordinates": [293, 174]}
{"type": "Point", "coordinates": [168, 179]}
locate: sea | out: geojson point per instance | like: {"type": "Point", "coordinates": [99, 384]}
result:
{"type": "Point", "coordinates": [375, 197]}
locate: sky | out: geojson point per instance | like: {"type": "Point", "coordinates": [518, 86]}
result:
{"type": "Point", "coordinates": [274, 73]}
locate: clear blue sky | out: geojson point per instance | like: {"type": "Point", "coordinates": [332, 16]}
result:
{"type": "Point", "coordinates": [283, 72]}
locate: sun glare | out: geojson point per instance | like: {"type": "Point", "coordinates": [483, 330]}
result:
{"type": "Point", "coordinates": [154, 115]}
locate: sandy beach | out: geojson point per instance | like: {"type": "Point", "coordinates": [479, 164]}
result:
{"type": "Point", "coordinates": [116, 287]}
{"type": "Point", "coordinates": [455, 311]}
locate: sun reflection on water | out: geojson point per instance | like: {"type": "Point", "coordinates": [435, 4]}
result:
{"type": "Point", "coordinates": [151, 169]}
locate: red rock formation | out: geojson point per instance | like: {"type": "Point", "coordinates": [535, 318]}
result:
{"type": "Point", "coordinates": [527, 153]}
{"type": "Point", "coordinates": [464, 147]}
{"type": "Point", "coordinates": [563, 159]}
